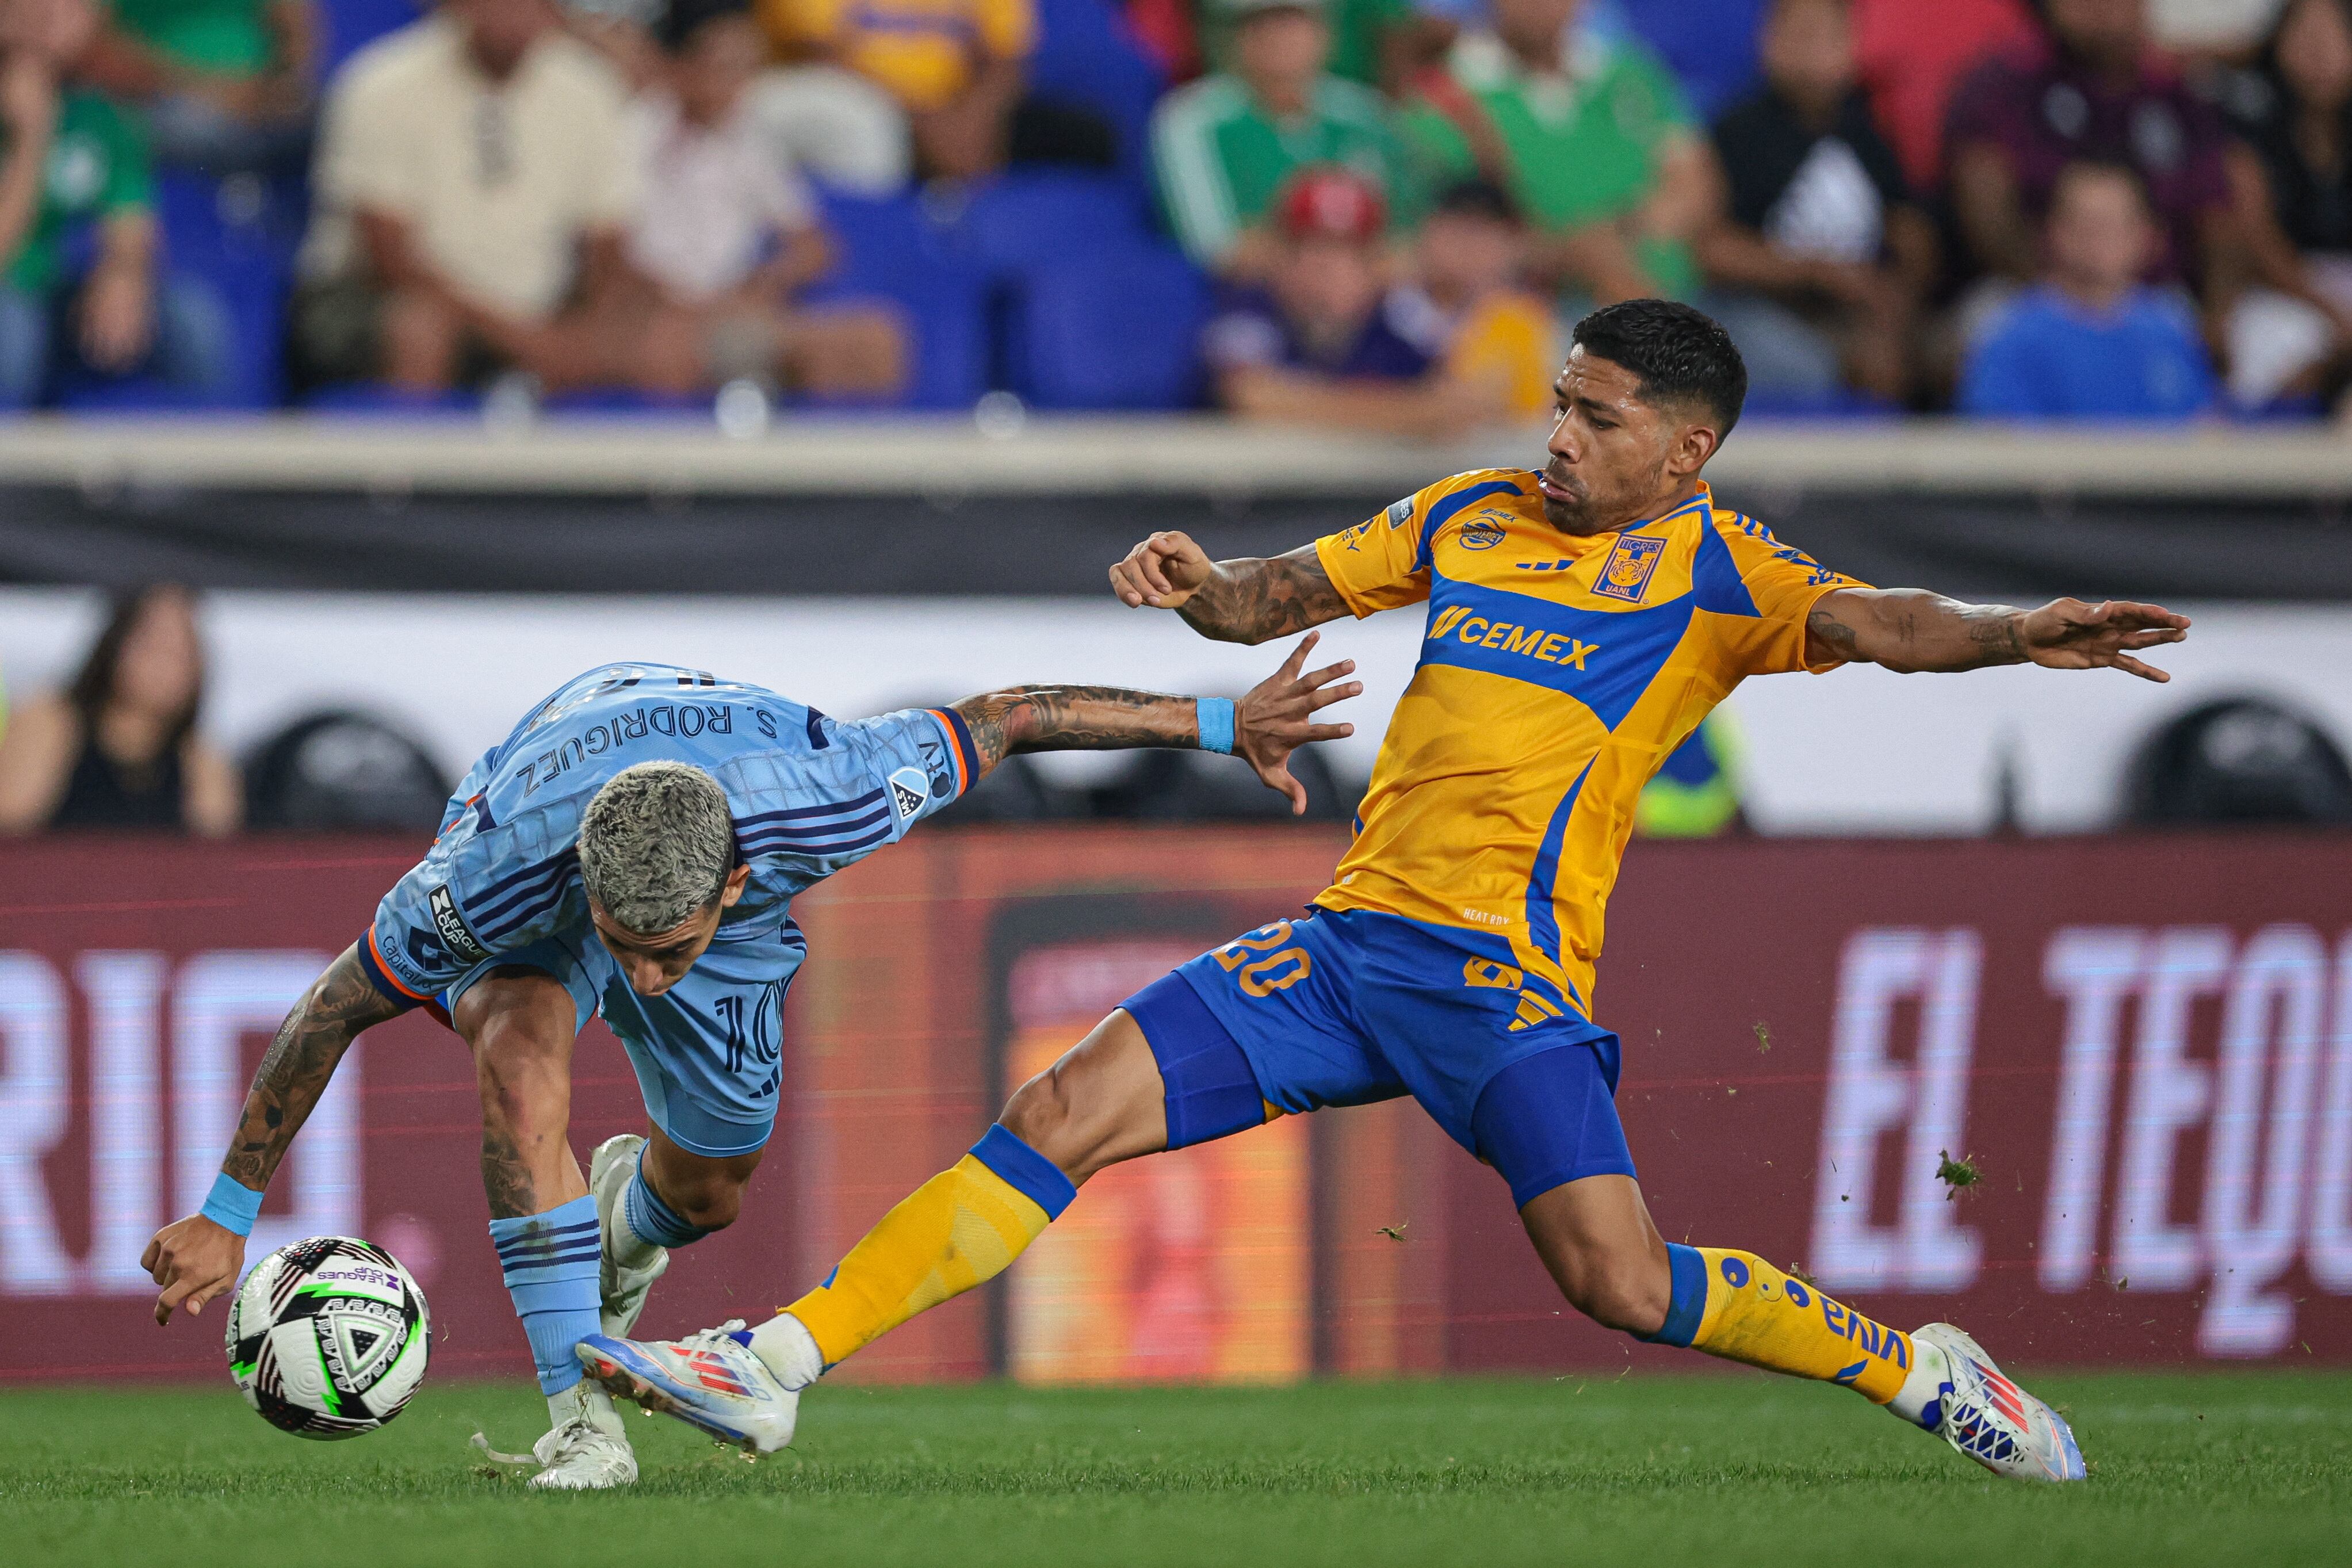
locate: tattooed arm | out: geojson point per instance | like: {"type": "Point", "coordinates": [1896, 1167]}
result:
{"type": "Point", "coordinates": [1272, 721]}
{"type": "Point", "coordinates": [1246, 600]}
{"type": "Point", "coordinates": [195, 1260]}
{"type": "Point", "coordinates": [1909, 630]}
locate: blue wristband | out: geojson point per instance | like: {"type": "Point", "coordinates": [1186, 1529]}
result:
{"type": "Point", "coordinates": [1216, 716]}
{"type": "Point", "coordinates": [231, 1205]}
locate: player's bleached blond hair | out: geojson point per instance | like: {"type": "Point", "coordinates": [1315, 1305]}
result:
{"type": "Point", "coordinates": [656, 846]}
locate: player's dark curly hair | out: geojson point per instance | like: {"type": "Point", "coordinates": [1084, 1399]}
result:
{"type": "Point", "coordinates": [1682, 355]}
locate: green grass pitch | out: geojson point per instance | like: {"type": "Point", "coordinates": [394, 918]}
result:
{"type": "Point", "coordinates": [1737, 1468]}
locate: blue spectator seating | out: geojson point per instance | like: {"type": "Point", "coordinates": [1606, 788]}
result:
{"type": "Point", "coordinates": [894, 248]}
{"type": "Point", "coordinates": [1711, 44]}
{"type": "Point", "coordinates": [1086, 56]}
{"type": "Point", "coordinates": [1116, 328]}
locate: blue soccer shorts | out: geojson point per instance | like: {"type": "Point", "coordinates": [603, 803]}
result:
{"type": "Point", "coordinates": [706, 1051]}
{"type": "Point", "coordinates": [1346, 1007]}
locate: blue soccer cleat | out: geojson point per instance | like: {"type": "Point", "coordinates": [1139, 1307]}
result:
{"type": "Point", "coordinates": [711, 1380]}
{"type": "Point", "coordinates": [1991, 1420]}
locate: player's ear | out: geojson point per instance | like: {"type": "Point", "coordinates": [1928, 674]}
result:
{"type": "Point", "coordinates": [732, 890]}
{"type": "Point", "coordinates": [1694, 445]}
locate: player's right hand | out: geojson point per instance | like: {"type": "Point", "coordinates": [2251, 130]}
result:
{"type": "Point", "coordinates": [1163, 572]}
{"type": "Point", "coordinates": [194, 1260]}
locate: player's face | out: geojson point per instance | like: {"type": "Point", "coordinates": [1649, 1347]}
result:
{"type": "Point", "coordinates": [1609, 450]}
{"type": "Point", "coordinates": [654, 963]}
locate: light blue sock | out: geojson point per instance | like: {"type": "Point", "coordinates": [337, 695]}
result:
{"type": "Point", "coordinates": [550, 1262]}
{"type": "Point", "coordinates": [652, 1219]}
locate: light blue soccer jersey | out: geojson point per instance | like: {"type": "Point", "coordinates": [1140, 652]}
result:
{"type": "Point", "coordinates": [501, 884]}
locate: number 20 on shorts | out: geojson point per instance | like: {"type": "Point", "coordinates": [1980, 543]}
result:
{"type": "Point", "coordinates": [1261, 970]}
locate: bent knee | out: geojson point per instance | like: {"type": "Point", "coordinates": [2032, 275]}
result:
{"type": "Point", "coordinates": [713, 1207]}
{"type": "Point", "coordinates": [1628, 1306]}
{"type": "Point", "coordinates": [1039, 1113]}
{"type": "Point", "coordinates": [1626, 1299]}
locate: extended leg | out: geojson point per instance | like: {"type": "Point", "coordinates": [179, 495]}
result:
{"type": "Point", "coordinates": [1101, 1103]}
{"type": "Point", "coordinates": [1596, 1239]}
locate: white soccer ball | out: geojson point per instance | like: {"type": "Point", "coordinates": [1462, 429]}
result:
{"type": "Point", "coordinates": [328, 1338]}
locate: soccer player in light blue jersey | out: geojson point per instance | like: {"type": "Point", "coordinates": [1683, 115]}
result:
{"type": "Point", "coordinates": [632, 850]}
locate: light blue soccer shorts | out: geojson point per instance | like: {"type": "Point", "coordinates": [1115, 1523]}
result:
{"type": "Point", "coordinates": [708, 1051]}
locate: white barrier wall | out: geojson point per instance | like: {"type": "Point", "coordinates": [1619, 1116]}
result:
{"type": "Point", "coordinates": [1856, 750]}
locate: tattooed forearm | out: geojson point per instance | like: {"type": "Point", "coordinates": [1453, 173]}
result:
{"type": "Point", "coordinates": [1910, 629]}
{"type": "Point", "coordinates": [300, 1060]}
{"type": "Point", "coordinates": [1075, 718]}
{"type": "Point", "coordinates": [1833, 635]}
{"type": "Point", "coordinates": [1250, 601]}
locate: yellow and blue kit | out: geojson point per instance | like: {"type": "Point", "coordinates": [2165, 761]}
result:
{"type": "Point", "coordinates": [1452, 958]}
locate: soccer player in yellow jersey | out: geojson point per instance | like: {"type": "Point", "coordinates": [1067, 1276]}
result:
{"type": "Point", "coordinates": [1581, 619]}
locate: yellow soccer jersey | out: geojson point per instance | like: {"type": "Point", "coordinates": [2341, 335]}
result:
{"type": "Point", "coordinates": [1556, 674]}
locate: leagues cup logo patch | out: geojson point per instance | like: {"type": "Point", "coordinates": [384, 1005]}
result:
{"type": "Point", "coordinates": [452, 927]}
{"type": "Point", "coordinates": [909, 790]}
{"type": "Point", "coordinates": [1626, 573]}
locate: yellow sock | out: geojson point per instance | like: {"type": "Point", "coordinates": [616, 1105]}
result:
{"type": "Point", "coordinates": [964, 1225]}
{"type": "Point", "coordinates": [1736, 1306]}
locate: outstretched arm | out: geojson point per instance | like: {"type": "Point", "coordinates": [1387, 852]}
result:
{"type": "Point", "coordinates": [1247, 600]}
{"type": "Point", "coordinates": [197, 1258]}
{"type": "Point", "coordinates": [1910, 629]}
{"type": "Point", "coordinates": [1272, 721]}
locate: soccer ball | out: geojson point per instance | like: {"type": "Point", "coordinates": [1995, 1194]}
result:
{"type": "Point", "coordinates": [328, 1338]}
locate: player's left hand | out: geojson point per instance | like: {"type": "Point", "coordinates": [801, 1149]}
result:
{"type": "Point", "coordinates": [194, 1260]}
{"type": "Point", "coordinates": [1278, 718]}
{"type": "Point", "coordinates": [2067, 634]}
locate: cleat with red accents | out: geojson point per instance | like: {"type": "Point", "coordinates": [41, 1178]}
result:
{"type": "Point", "coordinates": [1990, 1419]}
{"type": "Point", "coordinates": [711, 1381]}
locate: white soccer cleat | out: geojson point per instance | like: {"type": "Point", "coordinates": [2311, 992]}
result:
{"type": "Point", "coordinates": [711, 1380]}
{"type": "Point", "coordinates": [623, 1290]}
{"type": "Point", "coordinates": [580, 1457]}
{"type": "Point", "coordinates": [1991, 1420]}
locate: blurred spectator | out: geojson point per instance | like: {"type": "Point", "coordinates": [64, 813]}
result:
{"type": "Point", "coordinates": [1592, 137]}
{"type": "Point", "coordinates": [2093, 341]}
{"type": "Point", "coordinates": [1374, 43]}
{"type": "Point", "coordinates": [119, 748]}
{"type": "Point", "coordinates": [2212, 26]}
{"type": "Point", "coordinates": [1225, 146]}
{"type": "Point", "coordinates": [821, 118]}
{"type": "Point", "coordinates": [2092, 91]}
{"type": "Point", "coordinates": [473, 185]}
{"type": "Point", "coordinates": [1468, 304]}
{"type": "Point", "coordinates": [1822, 260]}
{"type": "Point", "coordinates": [1912, 57]}
{"type": "Point", "coordinates": [1322, 344]}
{"type": "Point", "coordinates": [958, 67]}
{"type": "Point", "coordinates": [227, 85]}
{"type": "Point", "coordinates": [1695, 791]}
{"type": "Point", "coordinates": [80, 285]}
{"type": "Point", "coordinates": [2294, 179]}
{"type": "Point", "coordinates": [728, 232]}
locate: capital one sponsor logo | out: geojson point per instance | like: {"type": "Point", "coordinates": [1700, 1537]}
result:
{"type": "Point", "coordinates": [2199, 1139]}
{"type": "Point", "coordinates": [143, 1098]}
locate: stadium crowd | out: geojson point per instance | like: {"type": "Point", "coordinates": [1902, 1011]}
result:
{"type": "Point", "coordinates": [1376, 214]}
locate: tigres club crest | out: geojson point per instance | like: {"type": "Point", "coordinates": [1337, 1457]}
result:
{"type": "Point", "coordinates": [1626, 573]}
